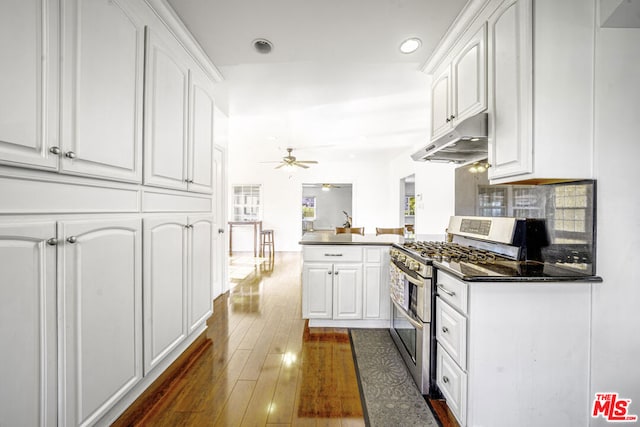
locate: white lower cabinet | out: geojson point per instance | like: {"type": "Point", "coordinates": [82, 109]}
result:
{"type": "Point", "coordinates": [177, 281]}
{"type": "Point", "coordinates": [28, 324]}
{"type": "Point", "coordinates": [498, 347]}
{"type": "Point", "coordinates": [100, 287]}
{"type": "Point", "coordinates": [356, 288]}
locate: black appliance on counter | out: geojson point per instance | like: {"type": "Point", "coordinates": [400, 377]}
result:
{"type": "Point", "coordinates": [477, 249]}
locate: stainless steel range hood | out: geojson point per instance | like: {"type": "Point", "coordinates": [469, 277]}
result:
{"type": "Point", "coordinates": [466, 143]}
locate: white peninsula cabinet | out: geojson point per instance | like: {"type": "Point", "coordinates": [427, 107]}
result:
{"type": "Point", "coordinates": [540, 90]}
{"type": "Point", "coordinates": [345, 285]}
{"type": "Point", "coordinates": [513, 351]}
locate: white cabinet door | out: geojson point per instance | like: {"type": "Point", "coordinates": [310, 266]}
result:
{"type": "Point", "coordinates": [347, 291]}
{"type": "Point", "coordinates": [441, 103]}
{"type": "Point", "coordinates": [103, 42]}
{"type": "Point", "coordinates": [101, 314]}
{"type": "Point", "coordinates": [469, 88]}
{"type": "Point", "coordinates": [375, 299]}
{"type": "Point", "coordinates": [510, 90]}
{"type": "Point", "coordinates": [165, 287]}
{"type": "Point", "coordinates": [317, 289]}
{"type": "Point", "coordinates": [29, 58]}
{"type": "Point", "coordinates": [166, 107]}
{"type": "Point", "coordinates": [200, 174]}
{"type": "Point", "coordinates": [28, 325]}
{"type": "Point", "coordinates": [200, 270]}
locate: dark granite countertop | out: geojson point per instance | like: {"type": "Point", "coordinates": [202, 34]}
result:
{"type": "Point", "coordinates": [331, 238]}
{"type": "Point", "coordinates": [513, 271]}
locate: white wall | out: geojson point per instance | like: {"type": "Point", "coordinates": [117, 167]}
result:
{"type": "Point", "coordinates": [616, 302]}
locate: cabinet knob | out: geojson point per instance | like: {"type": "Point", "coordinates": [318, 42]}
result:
{"type": "Point", "coordinates": [188, 181]}
{"type": "Point", "coordinates": [220, 230]}
{"type": "Point", "coordinates": [55, 150]}
{"type": "Point", "coordinates": [70, 155]}
{"type": "Point", "coordinates": [445, 329]}
{"type": "Point", "coordinates": [452, 117]}
{"type": "Point", "coordinates": [336, 273]}
{"type": "Point", "coordinates": [52, 241]}
{"type": "Point", "coordinates": [447, 119]}
{"type": "Point", "coordinates": [445, 379]}
{"type": "Point", "coordinates": [72, 239]}
{"type": "Point", "coordinates": [328, 272]}
{"type": "Point", "coordinates": [188, 226]}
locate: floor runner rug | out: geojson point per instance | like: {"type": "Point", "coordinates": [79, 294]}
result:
{"type": "Point", "coordinates": [390, 397]}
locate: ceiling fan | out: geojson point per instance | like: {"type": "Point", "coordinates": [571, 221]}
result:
{"type": "Point", "coordinates": [289, 161]}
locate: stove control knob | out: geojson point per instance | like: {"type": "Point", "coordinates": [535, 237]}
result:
{"type": "Point", "coordinates": [402, 257]}
{"type": "Point", "coordinates": [414, 266]}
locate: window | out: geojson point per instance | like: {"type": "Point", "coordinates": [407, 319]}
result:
{"type": "Point", "coordinates": [309, 208]}
{"type": "Point", "coordinates": [571, 223]}
{"type": "Point", "coordinates": [246, 203]}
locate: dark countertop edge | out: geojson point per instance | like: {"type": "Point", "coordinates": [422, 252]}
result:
{"type": "Point", "coordinates": [347, 243]}
{"type": "Point", "coordinates": [582, 279]}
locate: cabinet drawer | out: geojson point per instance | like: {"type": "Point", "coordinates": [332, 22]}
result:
{"type": "Point", "coordinates": [451, 332]}
{"type": "Point", "coordinates": [452, 382]}
{"type": "Point", "coordinates": [452, 290]}
{"type": "Point", "coordinates": [332, 253]}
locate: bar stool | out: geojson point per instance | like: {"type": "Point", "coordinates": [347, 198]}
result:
{"type": "Point", "coordinates": [266, 240]}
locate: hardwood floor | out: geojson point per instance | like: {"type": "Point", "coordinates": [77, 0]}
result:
{"type": "Point", "coordinates": [258, 364]}
{"type": "Point", "coordinates": [264, 368]}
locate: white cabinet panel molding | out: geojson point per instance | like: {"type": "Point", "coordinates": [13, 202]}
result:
{"type": "Point", "coordinates": [29, 110]}
{"type": "Point", "coordinates": [28, 324]}
{"type": "Point", "coordinates": [100, 272]}
{"type": "Point", "coordinates": [103, 48]}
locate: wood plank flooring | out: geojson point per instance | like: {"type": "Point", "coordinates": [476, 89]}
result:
{"type": "Point", "coordinates": [264, 367]}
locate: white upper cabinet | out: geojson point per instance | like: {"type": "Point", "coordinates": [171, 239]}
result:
{"type": "Point", "coordinates": [103, 51]}
{"type": "Point", "coordinates": [459, 88]}
{"type": "Point", "coordinates": [166, 112]}
{"type": "Point", "coordinates": [200, 169]}
{"type": "Point", "coordinates": [510, 127]}
{"type": "Point", "coordinates": [101, 315]}
{"type": "Point", "coordinates": [28, 324]}
{"type": "Point", "coordinates": [541, 68]}
{"type": "Point", "coordinates": [469, 69]}
{"type": "Point", "coordinates": [28, 110]}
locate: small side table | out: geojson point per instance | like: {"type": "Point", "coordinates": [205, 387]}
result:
{"type": "Point", "coordinates": [257, 229]}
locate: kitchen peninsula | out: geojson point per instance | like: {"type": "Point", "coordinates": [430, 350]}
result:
{"type": "Point", "coordinates": [345, 279]}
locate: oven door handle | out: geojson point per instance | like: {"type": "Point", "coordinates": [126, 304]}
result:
{"type": "Point", "coordinates": [413, 280]}
{"type": "Point", "coordinates": [406, 315]}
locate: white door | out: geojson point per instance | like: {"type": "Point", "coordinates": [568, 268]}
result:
{"type": "Point", "coordinates": [165, 287]}
{"type": "Point", "coordinates": [166, 106]}
{"type": "Point", "coordinates": [317, 283]}
{"type": "Point", "coordinates": [219, 242]}
{"type": "Point", "coordinates": [28, 324]}
{"type": "Point", "coordinates": [103, 43]}
{"type": "Point", "coordinates": [470, 77]}
{"type": "Point", "coordinates": [201, 136]}
{"type": "Point", "coordinates": [101, 314]}
{"type": "Point", "coordinates": [347, 291]}
{"type": "Point", "coordinates": [510, 90]}
{"type": "Point", "coordinates": [440, 103]}
{"type": "Point", "coordinates": [200, 258]}
{"type": "Point", "coordinates": [28, 109]}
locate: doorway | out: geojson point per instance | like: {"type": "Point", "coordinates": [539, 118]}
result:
{"type": "Point", "coordinates": [408, 204]}
{"type": "Point", "coordinates": [325, 206]}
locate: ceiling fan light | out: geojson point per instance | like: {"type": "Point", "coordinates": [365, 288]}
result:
{"type": "Point", "coordinates": [326, 187]}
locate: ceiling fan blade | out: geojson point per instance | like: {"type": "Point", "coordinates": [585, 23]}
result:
{"type": "Point", "coordinates": [300, 166]}
{"type": "Point", "coordinates": [279, 166]}
{"type": "Point", "coordinates": [311, 162]}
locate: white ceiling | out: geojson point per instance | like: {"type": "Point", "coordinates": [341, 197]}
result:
{"type": "Point", "coordinates": [335, 81]}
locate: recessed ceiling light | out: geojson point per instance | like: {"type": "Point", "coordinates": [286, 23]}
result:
{"type": "Point", "coordinates": [410, 45]}
{"type": "Point", "coordinates": [262, 45]}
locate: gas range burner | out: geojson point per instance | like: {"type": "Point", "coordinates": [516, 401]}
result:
{"type": "Point", "coordinates": [448, 252]}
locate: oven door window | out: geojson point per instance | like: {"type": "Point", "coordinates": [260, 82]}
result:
{"type": "Point", "coordinates": [406, 332]}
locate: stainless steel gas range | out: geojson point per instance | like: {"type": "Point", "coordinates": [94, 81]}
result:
{"type": "Point", "coordinates": [477, 248]}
